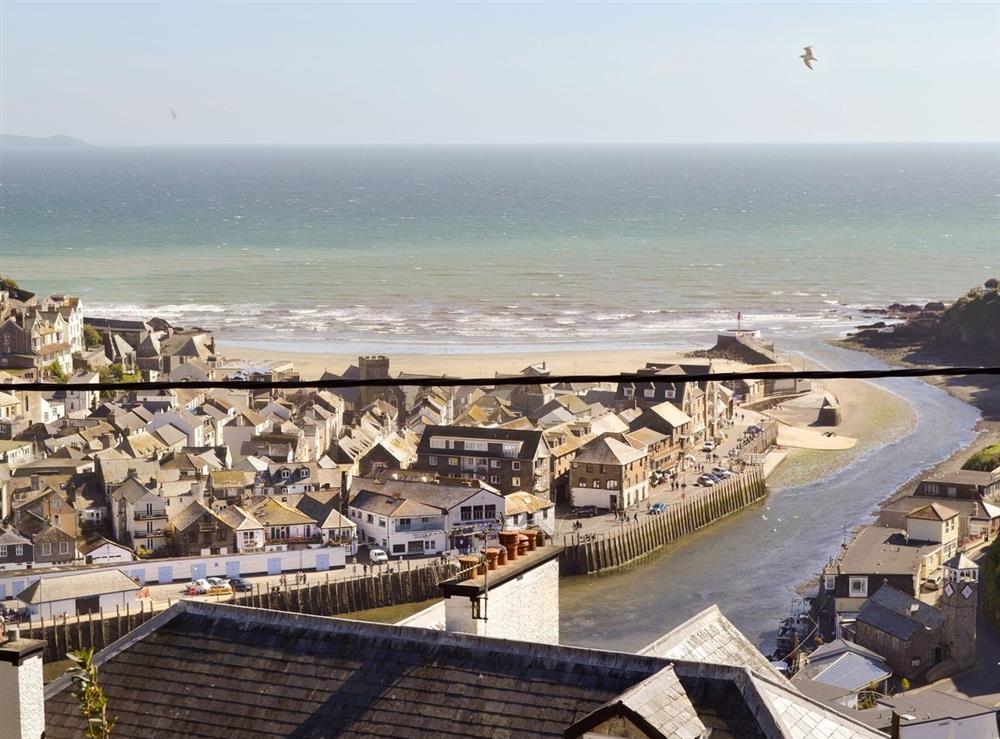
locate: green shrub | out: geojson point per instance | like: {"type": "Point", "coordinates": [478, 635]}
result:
{"type": "Point", "coordinates": [91, 337]}
{"type": "Point", "coordinates": [989, 576]}
{"type": "Point", "coordinates": [985, 460]}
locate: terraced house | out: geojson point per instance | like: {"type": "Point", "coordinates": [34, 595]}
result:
{"type": "Point", "coordinates": [507, 459]}
{"type": "Point", "coordinates": [609, 473]}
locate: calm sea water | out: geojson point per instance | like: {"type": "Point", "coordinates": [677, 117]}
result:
{"type": "Point", "coordinates": [501, 247]}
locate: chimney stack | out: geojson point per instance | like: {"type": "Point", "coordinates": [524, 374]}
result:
{"type": "Point", "coordinates": [22, 699]}
{"type": "Point", "coordinates": [34, 482]}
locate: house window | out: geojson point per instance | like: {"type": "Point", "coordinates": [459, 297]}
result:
{"type": "Point", "coordinates": [649, 393]}
{"type": "Point", "coordinates": [46, 549]}
{"type": "Point", "coordinates": [582, 483]}
{"type": "Point", "coordinates": [670, 394]}
{"type": "Point", "coordinates": [453, 461]}
{"type": "Point", "coordinates": [517, 465]}
{"type": "Point", "coordinates": [403, 524]}
{"type": "Point", "coordinates": [398, 548]}
{"type": "Point", "coordinates": [915, 662]}
{"type": "Point", "coordinates": [465, 513]}
{"type": "Point", "coordinates": [515, 481]}
{"type": "Point", "coordinates": [859, 587]}
{"type": "Point", "coordinates": [476, 446]}
{"type": "Point", "coordinates": [432, 461]}
{"type": "Point", "coordinates": [490, 511]}
{"type": "Point", "coordinates": [371, 519]}
{"type": "Point", "coordinates": [3, 551]}
{"type": "Point", "coordinates": [494, 463]}
{"type": "Point", "coordinates": [612, 484]}
{"type": "Point", "coordinates": [285, 474]}
{"type": "Point", "coordinates": [437, 442]}
{"type": "Point", "coordinates": [477, 512]}
{"type": "Point", "coordinates": [64, 547]}
{"type": "Point", "coordinates": [381, 522]}
{"type": "Point", "coordinates": [629, 392]}
{"type": "Point", "coordinates": [494, 479]}
{"type": "Point", "coordinates": [830, 582]}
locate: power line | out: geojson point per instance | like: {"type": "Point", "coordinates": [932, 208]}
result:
{"type": "Point", "coordinates": [444, 381]}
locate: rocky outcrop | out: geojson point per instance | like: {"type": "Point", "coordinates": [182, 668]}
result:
{"type": "Point", "coordinates": [969, 327]}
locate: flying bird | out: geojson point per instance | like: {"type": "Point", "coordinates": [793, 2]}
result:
{"type": "Point", "coordinates": [808, 57]}
{"type": "Point", "coordinates": [173, 113]}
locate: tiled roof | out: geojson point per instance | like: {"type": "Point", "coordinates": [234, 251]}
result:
{"type": "Point", "coordinates": [608, 450]}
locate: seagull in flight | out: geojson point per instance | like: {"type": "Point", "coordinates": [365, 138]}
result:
{"type": "Point", "coordinates": [173, 113]}
{"type": "Point", "coordinates": [808, 57]}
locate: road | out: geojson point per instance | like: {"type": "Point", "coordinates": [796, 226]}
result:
{"type": "Point", "coordinates": [665, 493]}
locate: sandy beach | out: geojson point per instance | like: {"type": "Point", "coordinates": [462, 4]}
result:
{"type": "Point", "coordinates": [312, 365]}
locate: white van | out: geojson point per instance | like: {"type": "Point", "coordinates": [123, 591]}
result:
{"type": "Point", "coordinates": [377, 557]}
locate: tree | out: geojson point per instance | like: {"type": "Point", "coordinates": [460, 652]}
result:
{"type": "Point", "coordinates": [55, 369]}
{"type": "Point", "coordinates": [90, 695]}
{"type": "Point", "coordinates": [91, 337]}
{"type": "Point", "coordinates": [8, 281]}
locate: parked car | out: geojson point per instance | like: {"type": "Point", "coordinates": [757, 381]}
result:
{"type": "Point", "coordinates": [377, 557]}
{"type": "Point", "coordinates": [239, 585]}
{"type": "Point", "coordinates": [709, 446]}
{"type": "Point", "coordinates": [585, 511]}
{"type": "Point", "coordinates": [723, 472]}
{"type": "Point", "coordinates": [706, 481]}
{"type": "Point", "coordinates": [658, 508]}
{"type": "Point", "coordinates": [193, 588]}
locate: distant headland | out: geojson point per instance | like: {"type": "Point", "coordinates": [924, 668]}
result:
{"type": "Point", "coordinates": [14, 141]}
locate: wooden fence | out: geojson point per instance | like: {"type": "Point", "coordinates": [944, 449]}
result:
{"type": "Point", "coordinates": [585, 554]}
{"type": "Point", "coordinates": [328, 598]}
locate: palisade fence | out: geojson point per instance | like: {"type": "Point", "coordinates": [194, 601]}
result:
{"type": "Point", "coordinates": [329, 598]}
{"type": "Point", "coordinates": [585, 554]}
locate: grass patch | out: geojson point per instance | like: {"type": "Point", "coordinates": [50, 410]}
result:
{"type": "Point", "coordinates": [390, 614]}
{"type": "Point", "coordinates": [985, 460]}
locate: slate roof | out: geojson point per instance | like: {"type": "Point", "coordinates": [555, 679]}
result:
{"type": "Point", "coordinates": [897, 614]}
{"type": "Point", "coordinates": [437, 494]}
{"type": "Point", "coordinates": [710, 637]}
{"type": "Point", "coordinates": [68, 587]}
{"type": "Point", "coordinates": [203, 670]}
{"type": "Point", "coordinates": [532, 444]}
{"type": "Point", "coordinates": [933, 512]}
{"type": "Point", "coordinates": [522, 502]}
{"type": "Point", "coordinates": [10, 538]}
{"type": "Point", "coordinates": [608, 450]}
{"type": "Point", "coordinates": [272, 512]}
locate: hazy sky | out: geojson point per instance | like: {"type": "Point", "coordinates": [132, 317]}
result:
{"type": "Point", "coordinates": [241, 73]}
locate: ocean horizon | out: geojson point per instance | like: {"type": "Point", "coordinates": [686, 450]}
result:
{"type": "Point", "coordinates": [502, 248]}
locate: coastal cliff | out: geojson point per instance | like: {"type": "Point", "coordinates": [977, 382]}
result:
{"type": "Point", "coordinates": [968, 329]}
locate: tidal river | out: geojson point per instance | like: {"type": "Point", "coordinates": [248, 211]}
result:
{"type": "Point", "coordinates": [742, 564]}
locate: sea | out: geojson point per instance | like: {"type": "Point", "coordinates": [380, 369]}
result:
{"type": "Point", "coordinates": [501, 248]}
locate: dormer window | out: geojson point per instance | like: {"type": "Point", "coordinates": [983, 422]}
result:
{"type": "Point", "coordinates": [629, 392]}
{"type": "Point", "coordinates": [285, 474]}
{"type": "Point", "coordinates": [303, 472]}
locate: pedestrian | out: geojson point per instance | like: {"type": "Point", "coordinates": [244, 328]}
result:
{"type": "Point", "coordinates": [636, 519]}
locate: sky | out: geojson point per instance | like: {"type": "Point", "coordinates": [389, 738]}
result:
{"type": "Point", "coordinates": [385, 73]}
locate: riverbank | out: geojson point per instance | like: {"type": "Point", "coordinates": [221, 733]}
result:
{"type": "Point", "coordinates": [979, 392]}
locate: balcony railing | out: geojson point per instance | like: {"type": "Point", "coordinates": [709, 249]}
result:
{"type": "Point", "coordinates": [314, 539]}
{"type": "Point", "coordinates": [143, 516]}
{"type": "Point", "coordinates": [154, 534]}
{"type": "Point", "coordinates": [420, 527]}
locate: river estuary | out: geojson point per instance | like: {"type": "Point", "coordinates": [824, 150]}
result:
{"type": "Point", "coordinates": [751, 571]}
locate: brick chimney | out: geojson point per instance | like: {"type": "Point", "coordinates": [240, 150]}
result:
{"type": "Point", "coordinates": [22, 699]}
